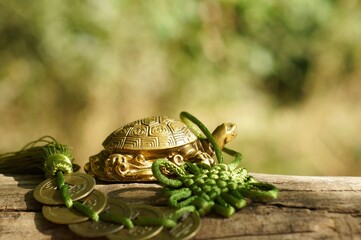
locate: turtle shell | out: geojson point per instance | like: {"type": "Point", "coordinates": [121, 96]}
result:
{"type": "Point", "coordinates": [152, 133]}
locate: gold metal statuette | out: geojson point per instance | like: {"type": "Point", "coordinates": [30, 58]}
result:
{"type": "Point", "coordinates": [131, 149]}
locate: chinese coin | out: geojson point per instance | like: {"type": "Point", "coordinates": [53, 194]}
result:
{"type": "Point", "coordinates": [63, 215]}
{"type": "Point", "coordinates": [80, 185]}
{"type": "Point", "coordinates": [98, 229]}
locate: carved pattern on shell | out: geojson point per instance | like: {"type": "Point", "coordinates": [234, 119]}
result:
{"type": "Point", "coordinates": [153, 133]}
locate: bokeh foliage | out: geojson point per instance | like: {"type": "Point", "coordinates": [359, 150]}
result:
{"type": "Point", "coordinates": [286, 72]}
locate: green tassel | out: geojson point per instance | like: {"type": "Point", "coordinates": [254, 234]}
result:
{"type": "Point", "coordinates": [37, 157]}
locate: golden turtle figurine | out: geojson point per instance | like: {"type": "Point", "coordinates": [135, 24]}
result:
{"type": "Point", "coordinates": [131, 150]}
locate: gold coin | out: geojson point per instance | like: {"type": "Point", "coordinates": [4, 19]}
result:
{"type": "Point", "coordinates": [101, 228]}
{"type": "Point", "coordinates": [186, 229]}
{"type": "Point", "coordinates": [80, 185]}
{"type": "Point", "coordinates": [140, 232]}
{"type": "Point", "coordinates": [96, 200]}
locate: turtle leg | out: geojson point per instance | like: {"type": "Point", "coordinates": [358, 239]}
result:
{"type": "Point", "coordinates": [192, 152]}
{"type": "Point", "coordinates": [116, 167]}
{"type": "Point", "coordinates": [204, 157]}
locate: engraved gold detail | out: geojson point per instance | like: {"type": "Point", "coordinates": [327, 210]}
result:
{"type": "Point", "coordinates": [131, 149]}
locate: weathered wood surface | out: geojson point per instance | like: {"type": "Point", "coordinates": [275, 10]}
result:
{"type": "Point", "coordinates": [307, 208]}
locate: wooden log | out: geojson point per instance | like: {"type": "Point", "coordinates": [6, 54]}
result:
{"type": "Point", "coordinates": [307, 208]}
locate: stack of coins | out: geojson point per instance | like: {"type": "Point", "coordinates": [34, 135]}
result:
{"type": "Point", "coordinates": [81, 188]}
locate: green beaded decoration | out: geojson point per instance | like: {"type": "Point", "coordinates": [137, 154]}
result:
{"type": "Point", "coordinates": [222, 188]}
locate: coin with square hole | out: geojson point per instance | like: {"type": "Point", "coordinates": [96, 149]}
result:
{"type": "Point", "coordinates": [80, 185]}
{"type": "Point", "coordinates": [96, 200]}
{"type": "Point", "coordinates": [140, 232]}
{"type": "Point", "coordinates": [186, 229]}
{"type": "Point", "coordinates": [94, 229]}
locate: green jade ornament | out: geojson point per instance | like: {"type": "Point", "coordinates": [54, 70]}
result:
{"type": "Point", "coordinates": [221, 188]}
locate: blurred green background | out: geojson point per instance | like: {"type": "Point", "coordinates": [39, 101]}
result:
{"type": "Point", "coordinates": [286, 72]}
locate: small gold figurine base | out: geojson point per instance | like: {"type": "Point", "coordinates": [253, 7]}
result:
{"type": "Point", "coordinates": [131, 150]}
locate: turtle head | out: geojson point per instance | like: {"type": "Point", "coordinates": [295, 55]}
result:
{"type": "Point", "coordinates": [224, 133]}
